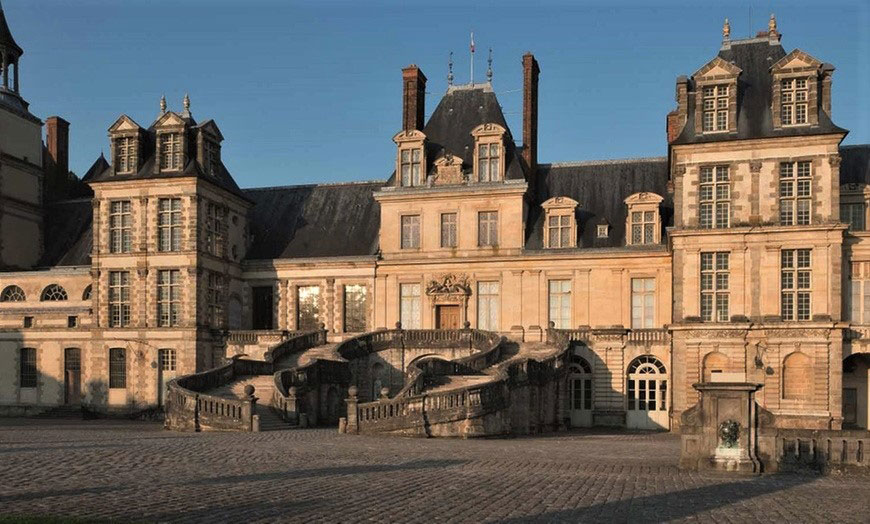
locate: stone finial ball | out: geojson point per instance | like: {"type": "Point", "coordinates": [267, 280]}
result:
{"type": "Point", "coordinates": [467, 324]}
{"type": "Point", "coordinates": [249, 390]}
{"type": "Point", "coordinates": [292, 391]}
{"type": "Point", "coordinates": [352, 391]}
{"type": "Point", "coordinates": [552, 324]}
{"type": "Point", "coordinates": [385, 391]}
{"type": "Point", "coordinates": [322, 326]}
{"type": "Point", "coordinates": [398, 325]}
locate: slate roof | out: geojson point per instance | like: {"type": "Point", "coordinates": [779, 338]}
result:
{"type": "Point", "coordinates": [314, 221]}
{"type": "Point", "coordinates": [601, 188]}
{"type": "Point", "coordinates": [754, 90]}
{"type": "Point", "coordinates": [449, 128]}
{"type": "Point", "coordinates": [6, 34]}
{"type": "Point", "coordinates": [68, 233]}
{"type": "Point", "coordinates": [855, 164]}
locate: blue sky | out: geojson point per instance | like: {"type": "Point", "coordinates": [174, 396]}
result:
{"type": "Point", "coordinates": [310, 92]}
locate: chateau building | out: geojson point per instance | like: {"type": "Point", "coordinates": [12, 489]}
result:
{"type": "Point", "coordinates": [742, 252]}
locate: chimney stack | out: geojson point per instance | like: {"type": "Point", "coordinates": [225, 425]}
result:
{"type": "Point", "coordinates": [530, 111]}
{"type": "Point", "coordinates": [676, 119]}
{"type": "Point", "coordinates": [413, 98]}
{"type": "Point", "coordinates": [57, 144]}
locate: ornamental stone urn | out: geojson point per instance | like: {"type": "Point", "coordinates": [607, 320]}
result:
{"type": "Point", "coordinates": [720, 431]}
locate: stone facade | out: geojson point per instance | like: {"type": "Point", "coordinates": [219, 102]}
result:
{"type": "Point", "coordinates": [624, 275]}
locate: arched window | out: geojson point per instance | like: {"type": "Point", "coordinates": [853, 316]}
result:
{"type": "Point", "coordinates": [714, 362]}
{"type": "Point", "coordinates": [797, 377]}
{"type": "Point", "coordinates": [13, 294]}
{"type": "Point", "coordinates": [580, 385]}
{"type": "Point", "coordinates": [53, 293]}
{"type": "Point", "coordinates": [580, 365]}
{"type": "Point", "coordinates": [86, 295]}
{"type": "Point", "coordinates": [646, 365]}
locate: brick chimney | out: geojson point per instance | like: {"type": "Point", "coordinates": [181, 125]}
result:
{"type": "Point", "coordinates": [530, 111]}
{"type": "Point", "coordinates": [413, 98]}
{"type": "Point", "coordinates": [57, 144]}
{"type": "Point", "coordinates": [677, 118]}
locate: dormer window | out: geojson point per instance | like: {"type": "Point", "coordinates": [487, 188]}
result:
{"type": "Point", "coordinates": [716, 108]}
{"type": "Point", "coordinates": [488, 156]}
{"type": "Point", "coordinates": [125, 154]}
{"type": "Point", "coordinates": [489, 145]}
{"type": "Point", "coordinates": [211, 162]}
{"type": "Point", "coordinates": [560, 223]}
{"type": "Point", "coordinates": [170, 151]}
{"type": "Point", "coordinates": [412, 167]}
{"type": "Point", "coordinates": [794, 93]}
{"type": "Point", "coordinates": [643, 220]}
{"type": "Point", "coordinates": [602, 231]}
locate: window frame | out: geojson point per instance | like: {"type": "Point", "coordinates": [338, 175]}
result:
{"type": "Point", "coordinates": [216, 299]}
{"type": "Point", "coordinates": [718, 296]}
{"type": "Point", "coordinates": [126, 154]}
{"type": "Point", "coordinates": [28, 368]}
{"type": "Point", "coordinates": [451, 239]}
{"type": "Point", "coordinates": [648, 322]}
{"type": "Point", "coordinates": [414, 301]}
{"type": "Point", "coordinates": [791, 203]}
{"type": "Point", "coordinates": [717, 109]}
{"type": "Point", "coordinates": [412, 240]}
{"type": "Point", "coordinates": [117, 368]}
{"type": "Point", "coordinates": [119, 301]}
{"type": "Point", "coordinates": [171, 150]}
{"type": "Point", "coordinates": [792, 290]}
{"type": "Point", "coordinates": [714, 196]}
{"type": "Point", "coordinates": [120, 226]}
{"type": "Point", "coordinates": [169, 224]}
{"type": "Point", "coordinates": [487, 228]}
{"type": "Point", "coordinates": [168, 297]}
{"type": "Point", "coordinates": [488, 305]}
{"type": "Point", "coordinates": [308, 295]}
{"type": "Point", "coordinates": [415, 167]}
{"type": "Point", "coordinates": [790, 108]}
{"type": "Point", "coordinates": [355, 315]}
{"type": "Point", "coordinates": [560, 300]}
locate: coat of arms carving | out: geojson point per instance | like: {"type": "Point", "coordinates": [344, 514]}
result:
{"type": "Point", "coordinates": [449, 284]}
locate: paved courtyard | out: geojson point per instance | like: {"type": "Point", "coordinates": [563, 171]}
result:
{"type": "Point", "coordinates": [126, 471]}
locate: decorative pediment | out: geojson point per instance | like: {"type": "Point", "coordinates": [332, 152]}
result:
{"type": "Point", "coordinates": [560, 202]}
{"type": "Point", "coordinates": [855, 188]}
{"type": "Point", "coordinates": [448, 170]}
{"type": "Point", "coordinates": [409, 135]}
{"type": "Point", "coordinates": [124, 123]}
{"type": "Point", "coordinates": [717, 69]}
{"type": "Point", "coordinates": [211, 128]}
{"type": "Point", "coordinates": [488, 129]}
{"type": "Point", "coordinates": [796, 60]}
{"type": "Point", "coordinates": [449, 284]}
{"type": "Point", "coordinates": [169, 119]}
{"type": "Point", "coordinates": [644, 198]}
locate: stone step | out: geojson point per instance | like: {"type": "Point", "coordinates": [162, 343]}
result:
{"type": "Point", "coordinates": [271, 421]}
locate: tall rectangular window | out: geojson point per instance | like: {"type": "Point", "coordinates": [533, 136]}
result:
{"type": "Point", "coordinates": [559, 292]}
{"type": "Point", "coordinates": [169, 224]}
{"type": "Point", "coordinates": [119, 298]}
{"type": "Point", "coordinates": [355, 308]}
{"type": "Point", "coordinates": [859, 303]}
{"type": "Point", "coordinates": [27, 377]}
{"type": "Point", "coordinates": [488, 162]}
{"type": "Point", "coordinates": [795, 193]}
{"type": "Point", "coordinates": [168, 297]}
{"type": "Point", "coordinates": [448, 230]}
{"type": "Point", "coordinates": [117, 368]}
{"type": "Point", "coordinates": [120, 226]}
{"type": "Point", "coordinates": [715, 197]}
{"type": "Point", "coordinates": [488, 306]}
{"type": "Point", "coordinates": [559, 230]}
{"type": "Point", "coordinates": [125, 154]}
{"type": "Point", "coordinates": [410, 231]}
{"type": "Point", "coordinates": [216, 299]}
{"type": "Point", "coordinates": [643, 300]}
{"type": "Point", "coordinates": [794, 93]}
{"type": "Point", "coordinates": [796, 284]}
{"type": "Point", "coordinates": [852, 213]}
{"type": "Point", "coordinates": [410, 314]}
{"type": "Point", "coordinates": [212, 157]}
{"type": "Point", "coordinates": [215, 229]}
{"type": "Point", "coordinates": [308, 308]}
{"type": "Point", "coordinates": [715, 108]}
{"type": "Point", "coordinates": [715, 287]}
{"type": "Point", "coordinates": [412, 167]}
{"type": "Point", "coordinates": [487, 228]}
{"type": "Point", "coordinates": [170, 151]}
{"type": "Point", "coordinates": [643, 227]}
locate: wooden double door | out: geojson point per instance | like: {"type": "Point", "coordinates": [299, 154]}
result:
{"type": "Point", "coordinates": [447, 317]}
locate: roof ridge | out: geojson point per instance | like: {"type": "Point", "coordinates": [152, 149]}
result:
{"type": "Point", "coordinates": [854, 145]}
{"type": "Point", "coordinates": [327, 184]}
{"type": "Point", "coordinates": [607, 161]}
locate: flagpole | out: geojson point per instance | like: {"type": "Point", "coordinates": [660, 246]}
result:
{"type": "Point", "coordinates": [472, 58]}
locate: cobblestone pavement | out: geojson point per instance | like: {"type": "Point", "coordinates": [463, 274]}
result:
{"type": "Point", "coordinates": [128, 471]}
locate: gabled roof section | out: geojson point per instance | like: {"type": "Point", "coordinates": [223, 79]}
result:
{"type": "Point", "coordinates": [328, 220]}
{"type": "Point", "coordinates": [99, 166]}
{"type": "Point", "coordinates": [717, 68]}
{"type": "Point", "coordinates": [754, 57]}
{"type": "Point", "coordinates": [460, 111]}
{"type": "Point", "coordinates": [211, 127]}
{"type": "Point", "coordinates": [124, 123]}
{"type": "Point", "coordinates": [168, 119]}
{"type": "Point", "coordinates": [797, 59]}
{"type": "Point", "coordinates": [600, 188]}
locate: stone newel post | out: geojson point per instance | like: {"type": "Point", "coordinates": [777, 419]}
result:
{"type": "Point", "coordinates": [720, 432]}
{"type": "Point", "coordinates": [352, 424]}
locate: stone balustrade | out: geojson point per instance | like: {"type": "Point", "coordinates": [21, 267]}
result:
{"type": "Point", "coordinates": [824, 450]}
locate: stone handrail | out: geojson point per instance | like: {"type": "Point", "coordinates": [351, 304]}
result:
{"type": "Point", "coordinates": [585, 334]}
{"type": "Point", "coordinates": [253, 336]}
{"type": "Point", "coordinates": [647, 336]}
{"type": "Point", "coordinates": [822, 449]}
{"type": "Point", "coordinates": [300, 342]}
{"type": "Point", "coordinates": [190, 408]}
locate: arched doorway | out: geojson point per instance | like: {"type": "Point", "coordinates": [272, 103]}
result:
{"type": "Point", "coordinates": [580, 392]}
{"type": "Point", "coordinates": [647, 388]}
{"type": "Point", "coordinates": [856, 391]}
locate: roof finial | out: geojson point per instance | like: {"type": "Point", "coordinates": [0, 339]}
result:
{"type": "Point", "coordinates": [450, 69]}
{"type": "Point", "coordinates": [726, 31]}
{"type": "Point", "coordinates": [489, 67]}
{"type": "Point", "coordinates": [162, 104]}
{"type": "Point", "coordinates": [186, 102]}
{"type": "Point", "coordinates": [771, 26]}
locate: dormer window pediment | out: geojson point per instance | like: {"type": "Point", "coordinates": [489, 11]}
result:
{"type": "Point", "coordinates": [411, 158]}
{"type": "Point", "coordinates": [171, 142]}
{"type": "Point", "coordinates": [489, 152]}
{"type": "Point", "coordinates": [795, 90]}
{"type": "Point", "coordinates": [716, 97]}
{"type": "Point", "coordinates": [560, 223]}
{"type": "Point", "coordinates": [643, 220]}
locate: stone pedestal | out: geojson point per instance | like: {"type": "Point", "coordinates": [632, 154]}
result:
{"type": "Point", "coordinates": [720, 432]}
